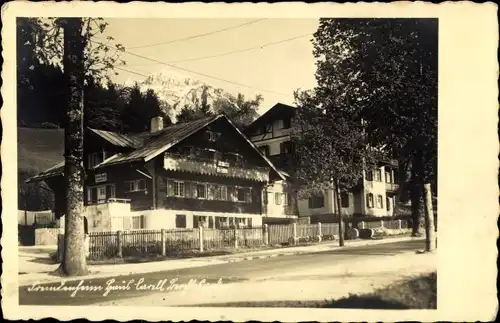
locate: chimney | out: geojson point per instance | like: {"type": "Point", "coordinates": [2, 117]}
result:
{"type": "Point", "coordinates": [156, 124]}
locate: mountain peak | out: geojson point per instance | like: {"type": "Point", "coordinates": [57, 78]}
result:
{"type": "Point", "coordinates": [179, 90]}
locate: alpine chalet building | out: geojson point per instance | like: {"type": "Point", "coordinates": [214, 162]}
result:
{"type": "Point", "coordinates": [374, 196]}
{"type": "Point", "coordinates": [200, 173]}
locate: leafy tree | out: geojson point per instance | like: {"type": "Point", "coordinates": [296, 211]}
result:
{"type": "Point", "coordinates": [140, 108]}
{"type": "Point", "coordinates": [387, 71]}
{"type": "Point", "coordinates": [103, 106]}
{"type": "Point", "coordinates": [241, 111]}
{"type": "Point", "coordinates": [331, 151]}
{"type": "Point", "coordinates": [41, 87]}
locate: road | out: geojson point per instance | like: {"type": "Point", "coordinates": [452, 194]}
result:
{"type": "Point", "coordinates": [292, 268]}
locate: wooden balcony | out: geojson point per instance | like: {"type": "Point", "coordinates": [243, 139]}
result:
{"type": "Point", "coordinates": [212, 167]}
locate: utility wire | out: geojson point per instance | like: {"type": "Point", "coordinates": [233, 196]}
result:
{"type": "Point", "coordinates": [129, 71]}
{"type": "Point", "coordinates": [199, 35]}
{"type": "Point", "coordinates": [236, 51]}
{"type": "Point", "coordinates": [194, 72]}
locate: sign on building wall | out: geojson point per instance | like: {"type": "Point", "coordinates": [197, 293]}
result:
{"type": "Point", "coordinates": [222, 170]}
{"type": "Point", "coordinates": [99, 178]}
{"type": "Point", "coordinates": [222, 167]}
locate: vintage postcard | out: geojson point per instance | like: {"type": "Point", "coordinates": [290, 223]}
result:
{"type": "Point", "coordinates": [237, 162]}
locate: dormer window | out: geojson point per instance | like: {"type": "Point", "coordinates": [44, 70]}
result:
{"type": "Point", "coordinates": [213, 136]}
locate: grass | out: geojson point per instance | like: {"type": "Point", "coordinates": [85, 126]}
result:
{"type": "Point", "coordinates": [174, 255]}
{"type": "Point", "coordinates": [415, 293]}
{"type": "Point", "coordinates": [39, 149]}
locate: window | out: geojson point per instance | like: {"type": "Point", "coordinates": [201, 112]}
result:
{"type": "Point", "coordinates": [277, 198]}
{"type": "Point", "coordinates": [138, 222]}
{"type": "Point", "coordinates": [179, 189]}
{"type": "Point", "coordinates": [369, 200]}
{"type": "Point", "coordinates": [287, 123]}
{"type": "Point", "coordinates": [279, 124]}
{"type": "Point", "coordinates": [286, 147]}
{"type": "Point", "coordinates": [388, 203]}
{"type": "Point", "coordinates": [288, 199]}
{"type": "Point", "coordinates": [240, 222]}
{"type": "Point", "coordinates": [213, 136]}
{"type": "Point", "coordinates": [210, 154]}
{"type": "Point", "coordinates": [222, 222]}
{"type": "Point", "coordinates": [186, 151]}
{"type": "Point", "coordinates": [378, 175]}
{"type": "Point", "coordinates": [388, 176]}
{"type": "Point", "coordinates": [135, 186]}
{"type": "Point", "coordinates": [240, 193]}
{"type": "Point", "coordinates": [344, 199]}
{"type": "Point", "coordinates": [316, 202]}
{"type": "Point", "coordinates": [100, 194]}
{"type": "Point", "coordinates": [369, 176]}
{"type": "Point", "coordinates": [180, 220]}
{"type": "Point", "coordinates": [200, 221]}
{"type": "Point", "coordinates": [380, 202]}
{"type": "Point", "coordinates": [201, 191]}
{"type": "Point", "coordinates": [395, 177]}
{"type": "Point", "coordinates": [264, 150]}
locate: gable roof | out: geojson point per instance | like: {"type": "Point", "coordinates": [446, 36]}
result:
{"type": "Point", "coordinates": [276, 111]}
{"type": "Point", "coordinates": [158, 142]}
{"type": "Point", "coordinates": [150, 145]}
{"type": "Point", "coordinates": [120, 139]}
{"type": "Point", "coordinates": [53, 171]}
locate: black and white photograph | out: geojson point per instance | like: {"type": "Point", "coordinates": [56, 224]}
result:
{"type": "Point", "coordinates": [230, 162]}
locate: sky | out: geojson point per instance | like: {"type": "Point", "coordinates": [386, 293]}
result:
{"type": "Point", "coordinates": [275, 71]}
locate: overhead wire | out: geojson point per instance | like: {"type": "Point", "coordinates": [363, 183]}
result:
{"type": "Point", "coordinates": [199, 35]}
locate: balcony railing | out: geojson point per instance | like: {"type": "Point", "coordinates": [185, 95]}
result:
{"type": "Point", "coordinates": [391, 187]}
{"type": "Point", "coordinates": [215, 167]}
{"type": "Point", "coordinates": [109, 200]}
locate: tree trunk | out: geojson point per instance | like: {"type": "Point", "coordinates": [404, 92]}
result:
{"type": "Point", "coordinates": [430, 237]}
{"type": "Point", "coordinates": [416, 195]}
{"type": "Point", "coordinates": [74, 262]}
{"type": "Point", "coordinates": [339, 212]}
{"type": "Point", "coordinates": [404, 195]}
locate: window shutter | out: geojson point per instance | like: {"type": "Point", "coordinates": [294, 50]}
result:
{"type": "Point", "coordinates": [188, 186]}
{"type": "Point", "coordinates": [368, 200]}
{"type": "Point", "coordinates": [282, 148]}
{"type": "Point", "coordinates": [195, 221]}
{"type": "Point", "coordinates": [249, 222]}
{"type": "Point", "coordinates": [231, 193]}
{"type": "Point", "coordinates": [108, 191]}
{"type": "Point", "coordinates": [94, 195]}
{"type": "Point", "coordinates": [211, 222]}
{"type": "Point", "coordinates": [211, 192]}
{"type": "Point", "coordinates": [170, 187]}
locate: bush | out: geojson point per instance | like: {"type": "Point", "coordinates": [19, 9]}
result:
{"type": "Point", "coordinates": [366, 233]}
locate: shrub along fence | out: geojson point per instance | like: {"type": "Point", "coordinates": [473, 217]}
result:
{"type": "Point", "coordinates": [142, 242]}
